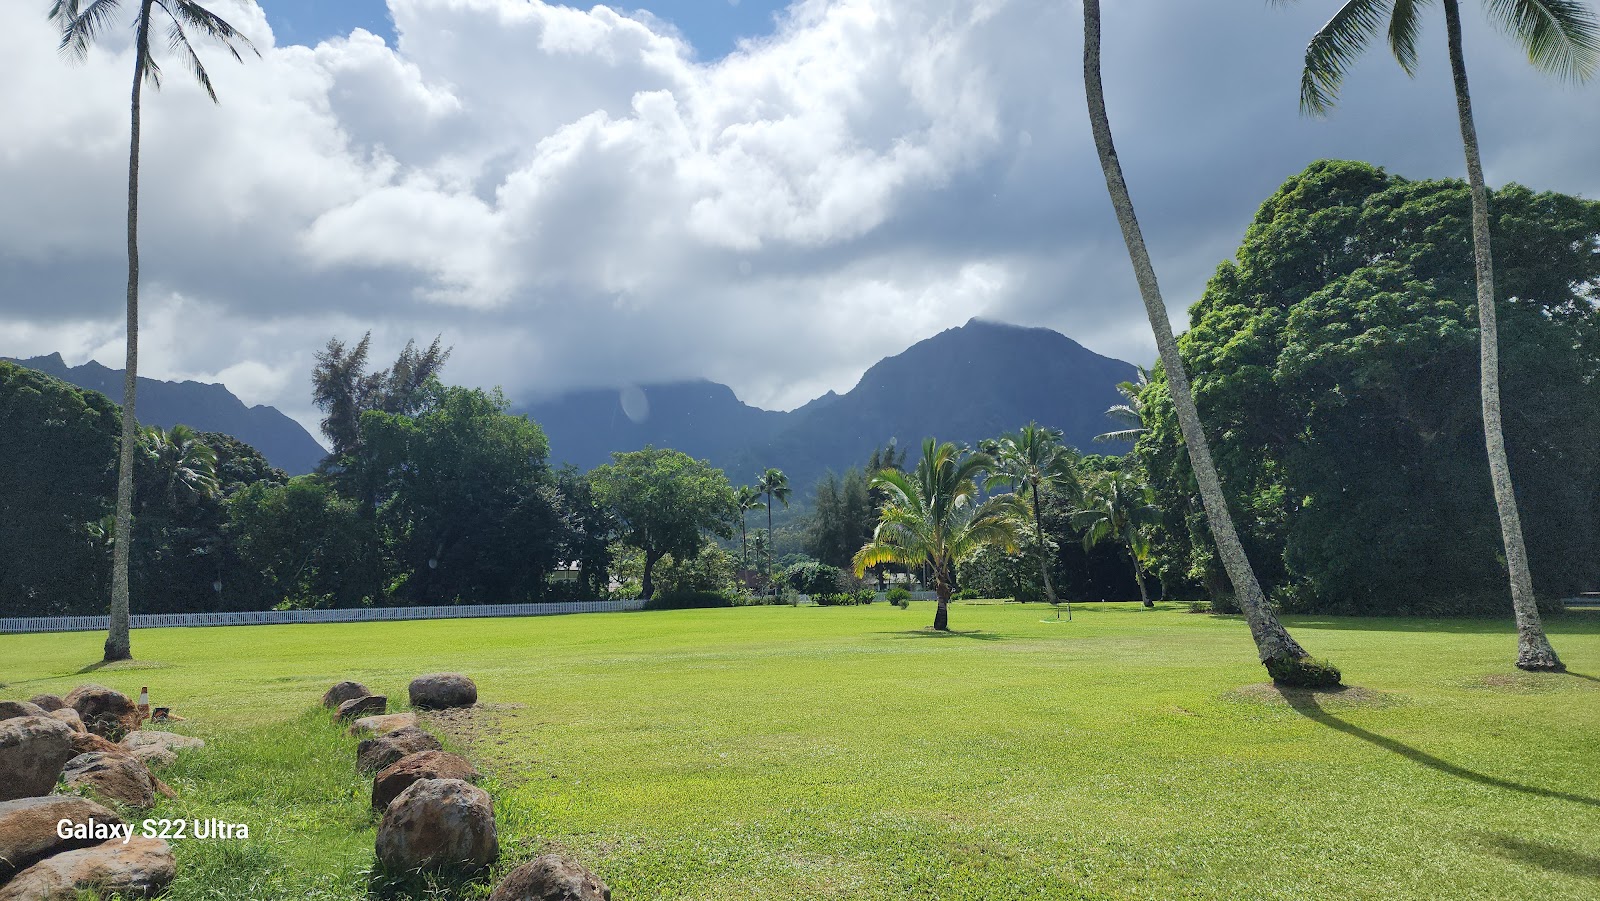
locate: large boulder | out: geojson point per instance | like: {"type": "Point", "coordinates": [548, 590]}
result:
{"type": "Point", "coordinates": [13, 709]}
{"type": "Point", "coordinates": [115, 777]}
{"type": "Point", "coordinates": [438, 824]}
{"type": "Point", "coordinates": [395, 778]}
{"type": "Point", "coordinates": [28, 828]}
{"type": "Point", "coordinates": [366, 705]}
{"type": "Point", "coordinates": [437, 691]}
{"type": "Point", "coordinates": [32, 751]}
{"type": "Point", "coordinates": [158, 748]}
{"type": "Point", "coordinates": [344, 691]}
{"type": "Point", "coordinates": [380, 751]}
{"type": "Point", "coordinates": [89, 743]}
{"type": "Point", "coordinates": [70, 717]}
{"type": "Point", "coordinates": [48, 703]}
{"type": "Point", "coordinates": [380, 725]}
{"type": "Point", "coordinates": [551, 878]}
{"type": "Point", "coordinates": [139, 868]}
{"type": "Point", "coordinates": [106, 713]}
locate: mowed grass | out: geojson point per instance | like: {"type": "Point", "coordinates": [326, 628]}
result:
{"type": "Point", "coordinates": [783, 753]}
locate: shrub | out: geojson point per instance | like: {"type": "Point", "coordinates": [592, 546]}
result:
{"type": "Point", "coordinates": [813, 578]}
{"type": "Point", "coordinates": [690, 600]}
{"type": "Point", "coordinates": [899, 597]}
{"type": "Point", "coordinates": [866, 595]}
{"type": "Point", "coordinates": [1199, 606]}
{"type": "Point", "coordinates": [835, 600]}
{"type": "Point", "coordinates": [1305, 672]}
{"type": "Point", "coordinates": [966, 594]}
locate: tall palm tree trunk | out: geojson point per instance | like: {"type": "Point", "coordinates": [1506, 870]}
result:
{"type": "Point", "coordinates": [941, 590]}
{"type": "Point", "coordinates": [1038, 535]}
{"type": "Point", "coordinates": [769, 546]}
{"type": "Point", "coordinates": [1273, 641]}
{"type": "Point", "coordinates": [1533, 648]}
{"type": "Point", "coordinates": [119, 644]}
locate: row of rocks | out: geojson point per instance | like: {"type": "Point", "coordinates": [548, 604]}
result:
{"type": "Point", "coordinates": [89, 742]}
{"type": "Point", "coordinates": [433, 816]}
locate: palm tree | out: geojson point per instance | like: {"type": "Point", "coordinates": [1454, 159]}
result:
{"type": "Point", "coordinates": [187, 465]}
{"type": "Point", "coordinates": [82, 22]}
{"type": "Point", "coordinates": [775, 485]}
{"type": "Point", "coordinates": [1130, 413]}
{"type": "Point", "coordinates": [1032, 459]}
{"type": "Point", "coordinates": [1117, 506]}
{"type": "Point", "coordinates": [932, 517]}
{"type": "Point", "coordinates": [747, 498]}
{"type": "Point", "coordinates": [1278, 651]}
{"type": "Point", "coordinates": [1561, 37]}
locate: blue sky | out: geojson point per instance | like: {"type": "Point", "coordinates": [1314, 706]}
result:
{"type": "Point", "coordinates": [712, 26]}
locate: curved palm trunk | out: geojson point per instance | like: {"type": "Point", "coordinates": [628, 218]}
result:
{"type": "Point", "coordinates": [1138, 574]}
{"type": "Point", "coordinates": [1533, 648]}
{"type": "Point", "coordinates": [118, 642]}
{"type": "Point", "coordinates": [1273, 641]}
{"type": "Point", "coordinates": [1038, 535]}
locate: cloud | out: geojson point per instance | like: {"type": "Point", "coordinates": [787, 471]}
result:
{"type": "Point", "coordinates": [573, 198]}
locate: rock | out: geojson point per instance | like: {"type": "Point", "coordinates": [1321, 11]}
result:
{"type": "Point", "coordinates": [89, 743]}
{"type": "Point", "coordinates": [138, 869]}
{"type": "Point", "coordinates": [115, 777]}
{"type": "Point", "coordinates": [32, 752]}
{"type": "Point", "coordinates": [106, 713]}
{"type": "Point", "coordinates": [551, 878]}
{"type": "Point", "coordinates": [49, 703]}
{"type": "Point", "coordinates": [344, 691]}
{"type": "Point", "coordinates": [395, 778]}
{"type": "Point", "coordinates": [70, 717]}
{"type": "Point", "coordinates": [13, 709]}
{"type": "Point", "coordinates": [380, 751]}
{"type": "Point", "coordinates": [379, 725]}
{"type": "Point", "coordinates": [438, 824]}
{"type": "Point", "coordinates": [153, 755]}
{"type": "Point", "coordinates": [366, 705]}
{"type": "Point", "coordinates": [437, 691]}
{"type": "Point", "coordinates": [172, 741]}
{"type": "Point", "coordinates": [28, 828]}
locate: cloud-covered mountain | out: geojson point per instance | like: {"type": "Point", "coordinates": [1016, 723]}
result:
{"type": "Point", "coordinates": [203, 407]}
{"type": "Point", "coordinates": [963, 384]}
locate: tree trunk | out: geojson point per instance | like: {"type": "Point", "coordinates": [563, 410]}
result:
{"type": "Point", "coordinates": [744, 544]}
{"type": "Point", "coordinates": [1273, 642]}
{"type": "Point", "coordinates": [770, 584]}
{"type": "Point", "coordinates": [1044, 562]}
{"type": "Point", "coordinates": [1138, 577]}
{"type": "Point", "coordinates": [1533, 648]}
{"type": "Point", "coordinates": [119, 645]}
{"type": "Point", "coordinates": [647, 586]}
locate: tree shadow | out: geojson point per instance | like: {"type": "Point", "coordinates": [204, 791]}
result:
{"type": "Point", "coordinates": [93, 667]}
{"type": "Point", "coordinates": [1305, 703]}
{"type": "Point", "coordinates": [975, 634]}
{"type": "Point", "coordinates": [1540, 854]}
{"type": "Point", "coordinates": [1582, 676]}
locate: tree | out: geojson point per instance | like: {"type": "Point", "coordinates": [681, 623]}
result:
{"type": "Point", "coordinates": [81, 25]}
{"type": "Point", "coordinates": [933, 516]}
{"type": "Point", "coordinates": [1117, 506]}
{"type": "Point", "coordinates": [774, 485]}
{"type": "Point", "coordinates": [1032, 460]}
{"type": "Point", "coordinates": [746, 498]}
{"type": "Point", "coordinates": [1560, 36]}
{"type": "Point", "coordinates": [1130, 413]}
{"type": "Point", "coordinates": [664, 502]}
{"type": "Point", "coordinates": [1283, 657]}
{"type": "Point", "coordinates": [843, 514]}
{"type": "Point", "coordinates": [187, 465]}
{"type": "Point", "coordinates": [295, 542]}
{"type": "Point", "coordinates": [586, 531]}
{"type": "Point", "coordinates": [343, 389]}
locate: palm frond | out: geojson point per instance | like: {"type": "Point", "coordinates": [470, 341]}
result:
{"type": "Point", "coordinates": [1560, 36]}
{"type": "Point", "coordinates": [178, 43]}
{"type": "Point", "coordinates": [1120, 435]}
{"type": "Point", "coordinates": [1334, 48]}
{"type": "Point", "coordinates": [210, 24]}
{"type": "Point", "coordinates": [81, 25]}
{"type": "Point", "coordinates": [1404, 26]}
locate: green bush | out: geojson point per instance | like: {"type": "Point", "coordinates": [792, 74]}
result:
{"type": "Point", "coordinates": [690, 600]}
{"type": "Point", "coordinates": [966, 594]}
{"type": "Point", "coordinates": [813, 578]}
{"type": "Point", "coordinates": [1305, 672]}
{"type": "Point", "coordinates": [866, 595]}
{"type": "Point", "coordinates": [834, 600]}
{"type": "Point", "coordinates": [899, 597]}
{"type": "Point", "coordinates": [1199, 606]}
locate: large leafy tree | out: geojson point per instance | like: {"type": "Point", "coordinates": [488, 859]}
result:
{"type": "Point", "coordinates": [82, 22]}
{"type": "Point", "coordinates": [842, 517]}
{"type": "Point", "coordinates": [933, 516]}
{"type": "Point", "coordinates": [664, 502]}
{"type": "Point", "coordinates": [1335, 355]}
{"type": "Point", "coordinates": [1559, 36]}
{"type": "Point", "coordinates": [1033, 461]}
{"type": "Point", "coordinates": [1116, 506]}
{"type": "Point", "coordinates": [1278, 651]}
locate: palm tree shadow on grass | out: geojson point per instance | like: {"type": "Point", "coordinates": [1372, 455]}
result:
{"type": "Point", "coordinates": [1580, 676]}
{"type": "Point", "coordinates": [1305, 703]}
{"type": "Point", "coordinates": [975, 634]}
{"type": "Point", "coordinates": [1540, 854]}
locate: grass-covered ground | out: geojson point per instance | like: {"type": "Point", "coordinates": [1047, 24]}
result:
{"type": "Point", "coordinates": [782, 753]}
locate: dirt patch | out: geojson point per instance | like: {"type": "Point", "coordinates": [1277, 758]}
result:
{"type": "Point", "coordinates": [1274, 695]}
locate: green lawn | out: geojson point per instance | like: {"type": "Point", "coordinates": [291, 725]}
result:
{"type": "Point", "coordinates": [783, 753]}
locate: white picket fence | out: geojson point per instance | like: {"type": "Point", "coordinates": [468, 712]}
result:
{"type": "Point", "coordinates": [288, 617]}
